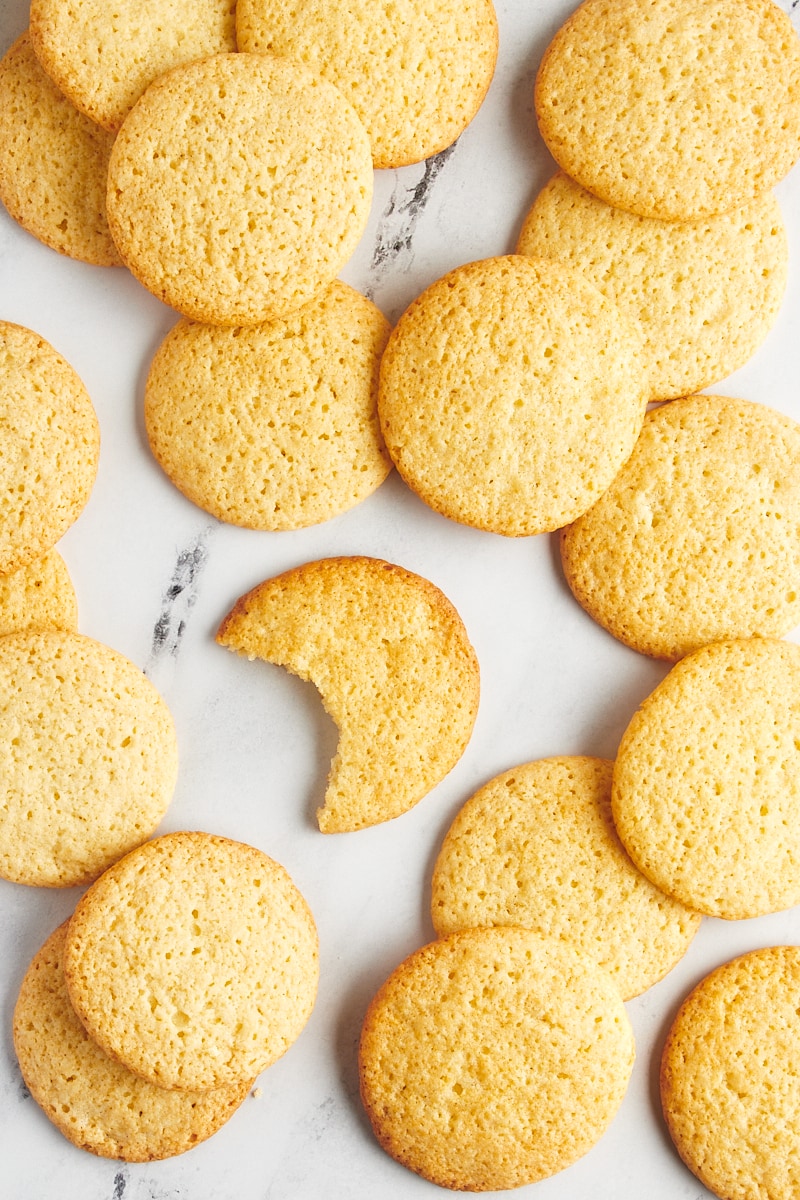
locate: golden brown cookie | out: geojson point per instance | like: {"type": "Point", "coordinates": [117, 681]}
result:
{"type": "Point", "coordinates": [511, 393]}
{"type": "Point", "coordinates": [103, 56]}
{"type": "Point", "coordinates": [89, 758]}
{"type": "Point", "coordinates": [416, 71]}
{"type": "Point", "coordinates": [676, 109]}
{"type": "Point", "coordinates": [704, 294]}
{"type": "Point", "coordinates": [706, 791]}
{"type": "Point", "coordinates": [494, 1058]}
{"type": "Point", "coordinates": [193, 961]}
{"type": "Point", "coordinates": [729, 1077]}
{"type": "Point", "coordinates": [276, 426]}
{"type": "Point", "coordinates": [394, 667]}
{"type": "Point", "coordinates": [698, 537]}
{"type": "Point", "coordinates": [38, 596]}
{"type": "Point", "coordinates": [239, 186]}
{"type": "Point", "coordinates": [53, 162]}
{"type": "Point", "coordinates": [98, 1104]}
{"type": "Point", "coordinates": [51, 444]}
{"type": "Point", "coordinates": [537, 847]}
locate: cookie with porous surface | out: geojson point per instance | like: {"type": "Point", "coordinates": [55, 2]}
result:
{"type": "Point", "coordinates": [494, 1058]}
{"type": "Point", "coordinates": [698, 537]}
{"type": "Point", "coordinates": [238, 187]}
{"type": "Point", "coordinates": [89, 758]}
{"type": "Point", "coordinates": [729, 1077]}
{"type": "Point", "coordinates": [103, 56]}
{"type": "Point", "coordinates": [38, 596]}
{"type": "Point", "coordinates": [51, 446]}
{"type": "Point", "coordinates": [98, 1104]}
{"type": "Point", "coordinates": [537, 847]}
{"type": "Point", "coordinates": [416, 71]}
{"type": "Point", "coordinates": [706, 787]}
{"type": "Point", "coordinates": [511, 392]}
{"type": "Point", "coordinates": [395, 670]}
{"type": "Point", "coordinates": [193, 961]}
{"type": "Point", "coordinates": [53, 162]}
{"type": "Point", "coordinates": [275, 426]}
{"type": "Point", "coordinates": [677, 109]}
{"type": "Point", "coordinates": [705, 294]}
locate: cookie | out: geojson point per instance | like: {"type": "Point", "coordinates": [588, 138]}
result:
{"type": "Point", "coordinates": [98, 1104]}
{"type": "Point", "coordinates": [698, 538]}
{"type": "Point", "coordinates": [494, 1058]}
{"type": "Point", "coordinates": [416, 72]}
{"type": "Point", "coordinates": [511, 392]}
{"type": "Point", "coordinates": [238, 187]}
{"type": "Point", "coordinates": [38, 596]}
{"type": "Point", "coordinates": [394, 667]}
{"type": "Point", "coordinates": [51, 445]}
{"type": "Point", "coordinates": [706, 789]}
{"type": "Point", "coordinates": [729, 1077]}
{"type": "Point", "coordinates": [193, 961]}
{"type": "Point", "coordinates": [275, 426]}
{"type": "Point", "coordinates": [705, 294]}
{"type": "Point", "coordinates": [89, 758]}
{"type": "Point", "coordinates": [53, 162]}
{"type": "Point", "coordinates": [675, 109]}
{"type": "Point", "coordinates": [537, 847]}
{"type": "Point", "coordinates": [103, 56]}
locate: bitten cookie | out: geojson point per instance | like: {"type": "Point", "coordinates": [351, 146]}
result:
{"type": "Point", "coordinates": [494, 1058]}
{"type": "Point", "coordinates": [89, 758]}
{"type": "Point", "coordinates": [511, 392]}
{"type": "Point", "coordinates": [103, 56]}
{"type": "Point", "coordinates": [238, 187]}
{"type": "Point", "coordinates": [193, 961]}
{"type": "Point", "coordinates": [38, 596]}
{"type": "Point", "coordinates": [98, 1104]}
{"type": "Point", "coordinates": [537, 847]}
{"type": "Point", "coordinates": [51, 445]}
{"type": "Point", "coordinates": [394, 667]}
{"type": "Point", "coordinates": [706, 790]}
{"type": "Point", "coordinates": [276, 426]}
{"type": "Point", "coordinates": [704, 294]}
{"type": "Point", "coordinates": [416, 71]}
{"type": "Point", "coordinates": [676, 109]}
{"type": "Point", "coordinates": [729, 1077]}
{"type": "Point", "coordinates": [53, 162]}
{"type": "Point", "coordinates": [698, 537]}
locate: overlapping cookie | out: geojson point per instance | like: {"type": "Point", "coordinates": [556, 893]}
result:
{"type": "Point", "coordinates": [38, 596]}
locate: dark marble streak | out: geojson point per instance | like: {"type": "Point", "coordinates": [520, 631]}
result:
{"type": "Point", "coordinates": [179, 598]}
{"type": "Point", "coordinates": [395, 233]}
{"type": "Point", "coordinates": [120, 1184]}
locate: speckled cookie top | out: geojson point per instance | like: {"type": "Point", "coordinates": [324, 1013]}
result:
{"type": "Point", "coordinates": [238, 187]}
{"type": "Point", "coordinates": [38, 596]}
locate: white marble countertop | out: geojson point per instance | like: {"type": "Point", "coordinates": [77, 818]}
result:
{"type": "Point", "coordinates": [154, 577]}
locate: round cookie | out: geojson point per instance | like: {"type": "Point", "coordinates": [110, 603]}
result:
{"type": "Point", "coordinates": [103, 56]}
{"type": "Point", "coordinates": [53, 162]}
{"type": "Point", "coordinates": [394, 667]}
{"type": "Point", "coordinates": [89, 758]}
{"type": "Point", "coordinates": [416, 71]}
{"type": "Point", "coordinates": [219, 954]}
{"type": "Point", "coordinates": [275, 426]}
{"type": "Point", "coordinates": [98, 1104]}
{"type": "Point", "coordinates": [511, 392]}
{"type": "Point", "coordinates": [706, 790]}
{"type": "Point", "coordinates": [494, 1058]}
{"type": "Point", "coordinates": [729, 1077]}
{"type": "Point", "coordinates": [705, 294]}
{"type": "Point", "coordinates": [676, 109]}
{"type": "Point", "coordinates": [537, 847]}
{"type": "Point", "coordinates": [698, 538]}
{"type": "Point", "coordinates": [51, 445]}
{"type": "Point", "coordinates": [38, 596]}
{"type": "Point", "coordinates": [238, 187]}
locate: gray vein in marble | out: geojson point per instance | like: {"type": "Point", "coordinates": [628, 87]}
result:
{"type": "Point", "coordinates": [120, 1184]}
{"type": "Point", "coordinates": [179, 599]}
{"type": "Point", "coordinates": [393, 240]}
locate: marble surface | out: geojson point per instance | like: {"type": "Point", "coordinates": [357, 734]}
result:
{"type": "Point", "coordinates": [154, 577]}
